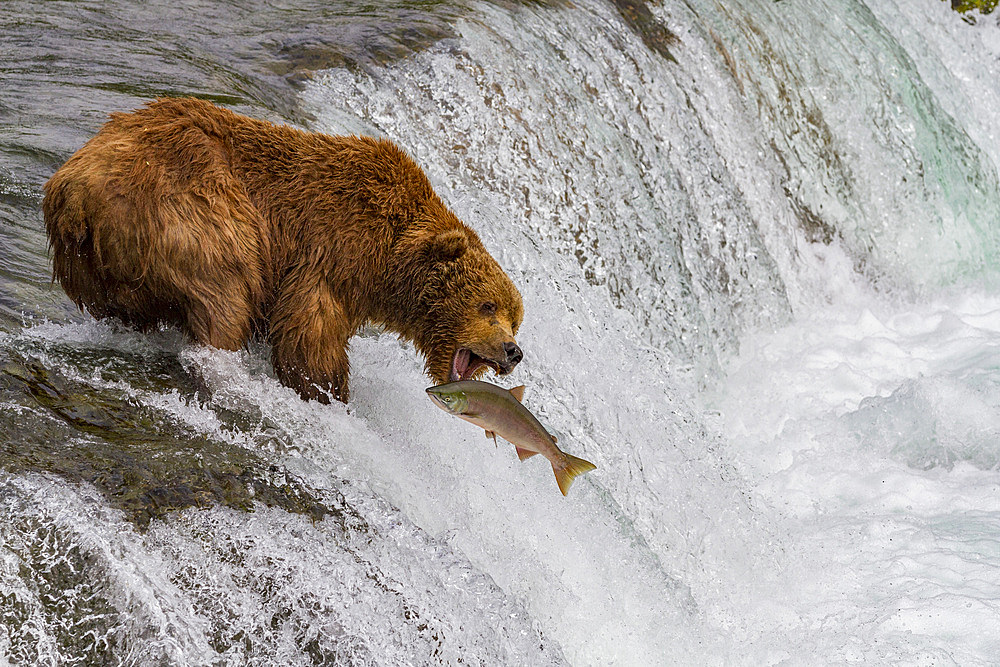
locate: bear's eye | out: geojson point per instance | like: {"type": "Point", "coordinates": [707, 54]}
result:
{"type": "Point", "coordinates": [488, 308]}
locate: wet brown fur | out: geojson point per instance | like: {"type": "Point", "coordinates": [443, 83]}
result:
{"type": "Point", "coordinates": [185, 213]}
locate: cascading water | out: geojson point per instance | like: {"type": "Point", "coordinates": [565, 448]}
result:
{"type": "Point", "coordinates": [758, 263]}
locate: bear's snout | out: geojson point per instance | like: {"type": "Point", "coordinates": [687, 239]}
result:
{"type": "Point", "coordinates": [514, 355]}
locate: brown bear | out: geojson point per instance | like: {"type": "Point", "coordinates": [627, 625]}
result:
{"type": "Point", "coordinates": [189, 214]}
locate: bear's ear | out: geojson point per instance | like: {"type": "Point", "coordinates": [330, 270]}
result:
{"type": "Point", "coordinates": [448, 246]}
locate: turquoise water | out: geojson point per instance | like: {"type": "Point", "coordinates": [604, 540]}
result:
{"type": "Point", "coordinates": [758, 262]}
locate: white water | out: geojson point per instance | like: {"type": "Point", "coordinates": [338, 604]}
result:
{"type": "Point", "coordinates": [797, 443]}
{"type": "Point", "coordinates": [874, 434]}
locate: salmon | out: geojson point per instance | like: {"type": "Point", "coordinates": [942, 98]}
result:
{"type": "Point", "coordinates": [500, 412]}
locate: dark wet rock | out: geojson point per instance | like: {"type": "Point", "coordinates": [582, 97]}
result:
{"type": "Point", "coordinates": [79, 616]}
{"type": "Point", "coordinates": [656, 36]}
{"type": "Point", "coordinates": [358, 41]}
{"type": "Point", "coordinates": [816, 229]}
{"type": "Point", "coordinates": [144, 462]}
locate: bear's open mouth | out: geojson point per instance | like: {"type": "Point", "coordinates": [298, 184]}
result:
{"type": "Point", "coordinates": [465, 363]}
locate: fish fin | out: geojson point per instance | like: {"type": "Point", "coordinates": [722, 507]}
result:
{"type": "Point", "coordinates": [524, 453]}
{"type": "Point", "coordinates": [518, 393]}
{"type": "Point", "coordinates": [574, 466]}
{"type": "Point", "coordinates": [491, 434]}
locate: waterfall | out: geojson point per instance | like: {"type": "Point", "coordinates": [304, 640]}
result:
{"type": "Point", "coordinates": [757, 244]}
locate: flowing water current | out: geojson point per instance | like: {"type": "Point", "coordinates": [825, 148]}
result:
{"type": "Point", "coordinates": [758, 244]}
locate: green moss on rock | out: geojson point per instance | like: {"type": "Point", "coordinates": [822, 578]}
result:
{"type": "Point", "coordinates": [983, 6]}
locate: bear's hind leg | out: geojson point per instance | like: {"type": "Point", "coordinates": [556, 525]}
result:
{"type": "Point", "coordinates": [309, 332]}
{"type": "Point", "coordinates": [219, 317]}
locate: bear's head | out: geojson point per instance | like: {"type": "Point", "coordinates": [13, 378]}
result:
{"type": "Point", "coordinates": [472, 310]}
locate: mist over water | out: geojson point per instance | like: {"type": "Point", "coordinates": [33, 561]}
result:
{"type": "Point", "coordinates": [759, 285]}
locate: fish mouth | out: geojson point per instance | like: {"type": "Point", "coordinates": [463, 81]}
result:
{"type": "Point", "coordinates": [436, 398]}
{"type": "Point", "coordinates": [466, 364]}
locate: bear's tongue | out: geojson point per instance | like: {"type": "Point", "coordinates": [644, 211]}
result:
{"type": "Point", "coordinates": [464, 364]}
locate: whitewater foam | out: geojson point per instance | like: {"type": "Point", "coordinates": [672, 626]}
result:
{"type": "Point", "coordinates": [873, 429]}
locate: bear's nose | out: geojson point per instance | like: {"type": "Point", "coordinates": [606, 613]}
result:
{"type": "Point", "coordinates": [514, 354]}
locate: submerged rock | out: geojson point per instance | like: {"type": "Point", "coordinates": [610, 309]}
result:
{"type": "Point", "coordinates": [144, 463]}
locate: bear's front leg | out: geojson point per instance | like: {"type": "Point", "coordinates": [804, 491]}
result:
{"type": "Point", "coordinates": [309, 330]}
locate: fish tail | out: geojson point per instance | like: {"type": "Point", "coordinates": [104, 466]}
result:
{"type": "Point", "coordinates": [571, 467]}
